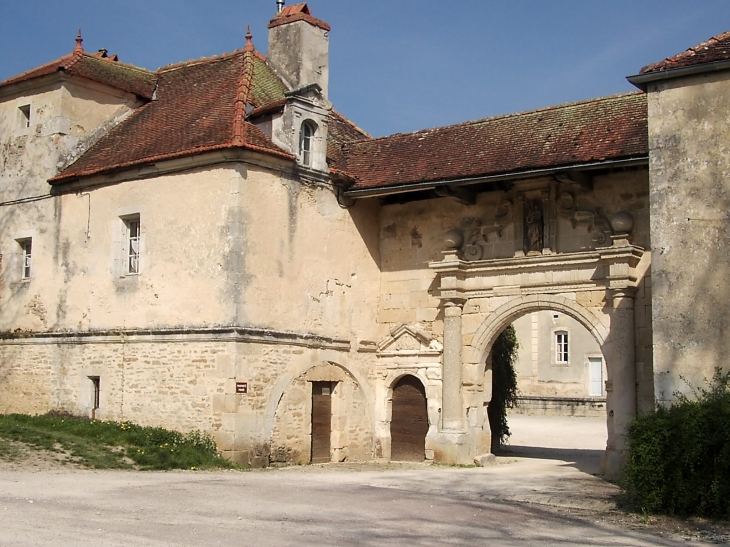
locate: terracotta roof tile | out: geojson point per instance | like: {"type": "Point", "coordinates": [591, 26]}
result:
{"type": "Point", "coordinates": [199, 106]}
{"type": "Point", "coordinates": [105, 70]}
{"type": "Point", "coordinates": [341, 131]}
{"type": "Point", "coordinates": [714, 49]}
{"type": "Point", "coordinates": [298, 12]}
{"type": "Point", "coordinates": [608, 128]}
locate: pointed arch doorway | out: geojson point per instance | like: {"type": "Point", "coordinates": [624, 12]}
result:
{"type": "Point", "coordinates": [409, 421]}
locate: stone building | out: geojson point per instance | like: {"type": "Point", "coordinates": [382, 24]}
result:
{"type": "Point", "coordinates": [559, 367]}
{"type": "Point", "coordinates": [213, 246]}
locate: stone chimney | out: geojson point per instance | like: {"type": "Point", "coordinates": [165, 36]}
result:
{"type": "Point", "coordinates": [299, 48]}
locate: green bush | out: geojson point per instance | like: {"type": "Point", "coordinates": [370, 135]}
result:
{"type": "Point", "coordinates": [679, 457]}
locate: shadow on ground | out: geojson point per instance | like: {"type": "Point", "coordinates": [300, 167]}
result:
{"type": "Point", "coordinates": [585, 460]}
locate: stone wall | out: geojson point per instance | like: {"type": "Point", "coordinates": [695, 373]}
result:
{"type": "Point", "coordinates": [690, 229]}
{"type": "Point", "coordinates": [189, 381]}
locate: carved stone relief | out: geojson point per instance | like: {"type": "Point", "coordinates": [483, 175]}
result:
{"type": "Point", "coordinates": [477, 232]}
{"type": "Point", "coordinates": [594, 221]}
{"type": "Point", "coordinates": [534, 230]}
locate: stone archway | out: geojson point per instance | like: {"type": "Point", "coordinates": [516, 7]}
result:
{"type": "Point", "coordinates": [477, 362]}
{"type": "Point", "coordinates": [594, 287]}
{"type": "Point", "coordinates": [291, 436]}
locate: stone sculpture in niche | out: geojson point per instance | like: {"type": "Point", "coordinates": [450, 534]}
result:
{"type": "Point", "coordinates": [595, 222]}
{"type": "Point", "coordinates": [534, 227]}
{"type": "Point", "coordinates": [476, 233]}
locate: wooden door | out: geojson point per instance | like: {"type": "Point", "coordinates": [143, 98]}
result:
{"type": "Point", "coordinates": [409, 421]}
{"type": "Point", "coordinates": [321, 421]}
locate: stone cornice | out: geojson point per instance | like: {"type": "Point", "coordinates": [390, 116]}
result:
{"type": "Point", "coordinates": [192, 334]}
{"type": "Point", "coordinates": [611, 267]}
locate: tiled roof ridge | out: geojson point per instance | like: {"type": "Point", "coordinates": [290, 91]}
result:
{"type": "Point", "coordinates": [201, 60]}
{"type": "Point", "coordinates": [20, 76]}
{"type": "Point", "coordinates": [513, 115]}
{"type": "Point", "coordinates": [75, 58]}
{"type": "Point", "coordinates": [239, 113]}
{"type": "Point", "coordinates": [352, 124]}
{"type": "Point", "coordinates": [667, 63]}
{"type": "Point", "coordinates": [120, 64]}
{"type": "Point", "coordinates": [65, 64]}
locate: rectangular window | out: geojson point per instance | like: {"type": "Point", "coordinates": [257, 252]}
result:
{"type": "Point", "coordinates": [24, 115]}
{"type": "Point", "coordinates": [26, 246]}
{"type": "Point", "coordinates": [132, 225]}
{"type": "Point", "coordinates": [561, 347]}
{"type": "Point", "coordinates": [95, 394]}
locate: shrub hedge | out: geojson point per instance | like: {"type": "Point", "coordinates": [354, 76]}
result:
{"type": "Point", "coordinates": [679, 457]}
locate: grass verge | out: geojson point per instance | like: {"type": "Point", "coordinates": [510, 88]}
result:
{"type": "Point", "coordinates": [101, 444]}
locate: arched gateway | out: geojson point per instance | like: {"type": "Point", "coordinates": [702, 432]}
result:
{"type": "Point", "coordinates": [594, 287]}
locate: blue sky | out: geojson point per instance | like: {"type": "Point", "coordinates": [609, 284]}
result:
{"type": "Point", "coordinates": [395, 65]}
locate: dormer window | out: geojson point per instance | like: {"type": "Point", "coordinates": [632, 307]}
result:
{"type": "Point", "coordinates": [24, 116]}
{"type": "Point", "coordinates": [306, 142]}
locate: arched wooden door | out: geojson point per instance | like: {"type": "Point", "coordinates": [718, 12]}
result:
{"type": "Point", "coordinates": [409, 421]}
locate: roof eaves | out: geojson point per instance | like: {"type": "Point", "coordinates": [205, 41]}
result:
{"type": "Point", "coordinates": [62, 178]}
{"type": "Point", "coordinates": [642, 79]}
{"type": "Point", "coordinates": [379, 191]}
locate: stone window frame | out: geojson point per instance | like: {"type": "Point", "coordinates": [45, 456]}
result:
{"type": "Point", "coordinates": [26, 258]}
{"type": "Point", "coordinates": [128, 239]}
{"type": "Point", "coordinates": [556, 334]}
{"type": "Point", "coordinates": [307, 141]}
{"type": "Point", "coordinates": [133, 229]}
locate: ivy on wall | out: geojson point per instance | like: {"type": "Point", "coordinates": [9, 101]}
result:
{"type": "Point", "coordinates": [504, 385]}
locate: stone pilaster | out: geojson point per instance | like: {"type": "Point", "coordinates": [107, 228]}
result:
{"type": "Point", "coordinates": [620, 356]}
{"type": "Point", "coordinates": [452, 415]}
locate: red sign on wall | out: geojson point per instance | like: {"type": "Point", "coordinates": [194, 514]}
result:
{"type": "Point", "coordinates": [241, 387]}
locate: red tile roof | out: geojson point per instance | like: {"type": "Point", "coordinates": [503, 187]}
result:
{"type": "Point", "coordinates": [199, 107]}
{"type": "Point", "coordinates": [714, 49]}
{"type": "Point", "coordinates": [608, 128]}
{"type": "Point", "coordinates": [104, 70]}
{"type": "Point", "coordinates": [298, 12]}
{"type": "Point", "coordinates": [341, 131]}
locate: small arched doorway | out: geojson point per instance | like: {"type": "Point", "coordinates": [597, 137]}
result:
{"type": "Point", "coordinates": [409, 421]}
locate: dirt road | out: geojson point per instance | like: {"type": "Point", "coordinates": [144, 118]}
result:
{"type": "Point", "coordinates": [520, 501]}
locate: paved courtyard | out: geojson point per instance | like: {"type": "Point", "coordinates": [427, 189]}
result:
{"type": "Point", "coordinates": [528, 498]}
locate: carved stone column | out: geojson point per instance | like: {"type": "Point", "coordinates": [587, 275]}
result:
{"type": "Point", "coordinates": [452, 416]}
{"type": "Point", "coordinates": [620, 356]}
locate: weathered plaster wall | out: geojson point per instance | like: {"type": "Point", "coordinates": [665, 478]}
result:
{"type": "Point", "coordinates": [236, 246]}
{"type": "Point", "coordinates": [689, 142]}
{"type": "Point", "coordinates": [299, 52]}
{"type": "Point", "coordinates": [310, 265]}
{"type": "Point", "coordinates": [63, 116]}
